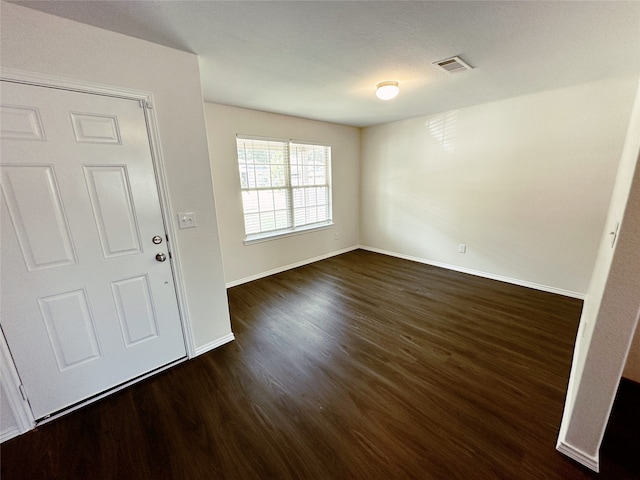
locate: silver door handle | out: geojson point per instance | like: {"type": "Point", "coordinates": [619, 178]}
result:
{"type": "Point", "coordinates": [161, 257]}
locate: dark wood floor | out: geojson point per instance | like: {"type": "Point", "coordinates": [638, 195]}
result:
{"type": "Point", "coordinates": [361, 366]}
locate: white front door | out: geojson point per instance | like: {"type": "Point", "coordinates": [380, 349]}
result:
{"type": "Point", "coordinates": [87, 302]}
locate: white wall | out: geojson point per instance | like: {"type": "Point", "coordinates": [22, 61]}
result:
{"type": "Point", "coordinates": [245, 262]}
{"type": "Point", "coordinates": [525, 183]}
{"type": "Point", "coordinates": [42, 43]}
{"type": "Point", "coordinates": [610, 313]}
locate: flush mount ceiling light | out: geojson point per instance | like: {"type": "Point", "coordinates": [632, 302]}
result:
{"type": "Point", "coordinates": [387, 90]}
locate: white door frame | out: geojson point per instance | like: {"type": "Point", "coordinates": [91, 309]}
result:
{"type": "Point", "coordinates": [146, 101]}
{"type": "Point", "coordinates": [10, 384]}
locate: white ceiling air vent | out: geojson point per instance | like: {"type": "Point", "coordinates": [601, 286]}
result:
{"type": "Point", "coordinates": [452, 65]}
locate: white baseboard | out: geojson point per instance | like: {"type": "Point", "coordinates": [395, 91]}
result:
{"type": "Point", "coordinates": [215, 344]}
{"type": "Point", "coordinates": [477, 273]}
{"type": "Point", "coordinates": [10, 432]}
{"type": "Point", "coordinates": [579, 456]}
{"type": "Point", "coordinates": [290, 266]}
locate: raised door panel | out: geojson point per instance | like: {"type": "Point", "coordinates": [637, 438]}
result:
{"type": "Point", "coordinates": [135, 309]}
{"type": "Point", "coordinates": [113, 209]}
{"type": "Point", "coordinates": [71, 328]}
{"type": "Point", "coordinates": [38, 216]}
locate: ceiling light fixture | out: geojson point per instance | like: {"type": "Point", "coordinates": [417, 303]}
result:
{"type": "Point", "coordinates": [387, 90]}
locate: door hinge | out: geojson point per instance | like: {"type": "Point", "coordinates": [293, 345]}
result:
{"type": "Point", "coordinates": [23, 392]}
{"type": "Point", "coordinates": [614, 235]}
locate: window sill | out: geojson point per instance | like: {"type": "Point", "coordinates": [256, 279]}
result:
{"type": "Point", "coordinates": [266, 237]}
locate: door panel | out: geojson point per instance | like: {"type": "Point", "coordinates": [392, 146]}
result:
{"type": "Point", "coordinates": [85, 304]}
{"type": "Point", "coordinates": [34, 204]}
{"type": "Point", "coordinates": [70, 328]}
{"type": "Point", "coordinates": [135, 309]}
{"type": "Point", "coordinates": [112, 205]}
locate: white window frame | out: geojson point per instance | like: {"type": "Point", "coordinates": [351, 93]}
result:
{"type": "Point", "coordinates": [289, 188]}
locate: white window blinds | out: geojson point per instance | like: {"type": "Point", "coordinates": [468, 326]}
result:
{"type": "Point", "coordinates": [285, 185]}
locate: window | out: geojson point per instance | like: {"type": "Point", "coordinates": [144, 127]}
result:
{"type": "Point", "coordinates": [286, 186]}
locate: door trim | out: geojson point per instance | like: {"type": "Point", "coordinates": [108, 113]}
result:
{"type": "Point", "coordinates": [146, 100]}
{"type": "Point", "coordinates": [10, 383]}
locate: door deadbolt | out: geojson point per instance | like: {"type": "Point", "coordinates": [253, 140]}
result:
{"type": "Point", "coordinates": [161, 257]}
{"type": "Point", "coordinates": [157, 239]}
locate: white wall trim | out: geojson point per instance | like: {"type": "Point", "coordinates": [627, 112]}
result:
{"type": "Point", "coordinates": [257, 276]}
{"type": "Point", "coordinates": [9, 433]}
{"type": "Point", "coordinates": [514, 281]}
{"type": "Point", "coordinates": [67, 83]}
{"type": "Point", "coordinates": [579, 456]}
{"type": "Point", "coordinates": [10, 383]}
{"type": "Point", "coordinates": [269, 236]}
{"type": "Point", "coordinates": [207, 347]}
{"type": "Point", "coordinates": [167, 208]}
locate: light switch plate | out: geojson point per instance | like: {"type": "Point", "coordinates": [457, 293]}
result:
{"type": "Point", "coordinates": [187, 219]}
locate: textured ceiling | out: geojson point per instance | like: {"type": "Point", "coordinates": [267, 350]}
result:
{"type": "Point", "coordinates": [322, 59]}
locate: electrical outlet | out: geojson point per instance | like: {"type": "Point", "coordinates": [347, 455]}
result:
{"type": "Point", "coordinates": [336, 236]}
{"type": "Point", "coordinates": [187, 220]}
{"type": "Point", "coordinates": [462, 248]}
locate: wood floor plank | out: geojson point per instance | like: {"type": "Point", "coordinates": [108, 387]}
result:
{"type": "Point", "coordinates": [361, 366]}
